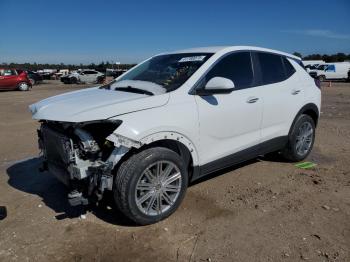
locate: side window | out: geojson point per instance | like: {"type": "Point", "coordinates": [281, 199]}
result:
{"type": "Point", "coordinates": [271, 67]}
{"type": "Point", "coordinates": [330, 68]}
{"type": "Point", "coordinates": [237, 67]}
{"type": "Point", "coordinates": [289, 69]}
{"type": "Point", "coordinates": [9, 72]}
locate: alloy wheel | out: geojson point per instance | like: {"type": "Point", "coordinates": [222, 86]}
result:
{"type": "Point", "coordinates": [158, 188]}
{"type": "Point", "coordinates": [304, 139]}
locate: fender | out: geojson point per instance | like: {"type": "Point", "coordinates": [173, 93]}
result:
{"type": "Point", "coordinates": [308, 107]}
{"type": "Point", "coordinates": [123, 141]}
{"type": "Point", "coordinates": [176, 137]}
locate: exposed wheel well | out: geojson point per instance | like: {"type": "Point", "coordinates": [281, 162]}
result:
{"type": "Point", "coordinates": [178, 148]}
{"type": "Point", "coordinates": [173, 145]}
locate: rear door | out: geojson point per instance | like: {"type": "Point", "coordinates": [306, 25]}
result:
{"type": "Point", "coordinates": [229, 123]}
{"type": "Point", "coordinates": [8, 78]}
{"type": "Point", "coordinates": [282, 94]}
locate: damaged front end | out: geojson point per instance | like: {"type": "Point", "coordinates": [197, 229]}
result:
{"type": "Point", "coordinates": [82, 156]}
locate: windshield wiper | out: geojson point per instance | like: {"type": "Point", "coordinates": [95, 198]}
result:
{"type": "Point", "coordinates": [108, 85]}
{"type": "Point", "coordinates": [134, 90]}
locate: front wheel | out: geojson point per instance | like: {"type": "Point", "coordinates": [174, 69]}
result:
{"type": "Point", "coordinates": [322, 78]}
{"type": "Point", "coordinates": [301, 139]}
{"type": "Point", "coordinates": [150, 185]}
{"type": "Point", "coordinates": [23, 86]}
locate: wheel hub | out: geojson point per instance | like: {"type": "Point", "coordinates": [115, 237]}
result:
{"type": "Point", "coordinates": [304, 139]}
{"type": "Point", "coordinates": [158, 188]}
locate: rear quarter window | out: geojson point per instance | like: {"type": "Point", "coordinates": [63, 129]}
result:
{"type": "Point", "coordinates": [271, 67]}
{"type": "Point", "coordinates": [289, 69]}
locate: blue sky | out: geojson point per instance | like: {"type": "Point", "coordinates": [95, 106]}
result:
{"type": "Point", "coordinates": [129, 31]}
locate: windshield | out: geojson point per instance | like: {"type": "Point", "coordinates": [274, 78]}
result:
{"type": "Point", "coordinates": [321, 67]}
{"type": "Point", "coordinates": [167, 72]}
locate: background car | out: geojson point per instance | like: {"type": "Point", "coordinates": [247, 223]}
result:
{"type": "Point", "coordinates": [331, 71]}
{"type": "Point", "coordinates": [34, 78]}
{"type": "Point", "coordinates": [11, 79]}
{"type": "Point", "coordinates": [84, 76]}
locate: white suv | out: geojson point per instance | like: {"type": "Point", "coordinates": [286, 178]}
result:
{"type": "Point", "coordinates": [174, 118]}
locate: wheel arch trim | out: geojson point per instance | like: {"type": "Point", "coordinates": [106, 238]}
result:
{"type": "Point", "coordinates": [175, 136]}
{"type": "Point", "coordinates": [121, 140]}
{"type": "Point", "coordinates": [306, 108]}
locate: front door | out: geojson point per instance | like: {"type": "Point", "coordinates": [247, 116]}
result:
{"type": "Point", "coordinates": [230, 123]}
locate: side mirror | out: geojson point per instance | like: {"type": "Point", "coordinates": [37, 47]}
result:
{"type": "Point", "coordinates": [217, 85]}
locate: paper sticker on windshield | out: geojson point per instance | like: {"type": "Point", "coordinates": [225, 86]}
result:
{"type": "Point", "coordinates": [192, 59]}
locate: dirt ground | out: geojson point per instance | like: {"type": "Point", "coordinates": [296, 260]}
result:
{"type": "Point", "coordinates": [263, 210]}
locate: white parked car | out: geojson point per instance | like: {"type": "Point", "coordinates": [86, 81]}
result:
{"type": "Point", "coordinates": [175, 118]}
{"type": "Point", "coordinates": [331, 71]}
{"type": "Point", "coordinates": [83, 76]}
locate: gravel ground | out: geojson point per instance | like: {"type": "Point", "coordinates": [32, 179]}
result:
{"type": "Point", "coordinates": [262, 210]}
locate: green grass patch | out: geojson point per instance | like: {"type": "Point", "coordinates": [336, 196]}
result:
{"type": "Point", "coordinates": [305, 165]}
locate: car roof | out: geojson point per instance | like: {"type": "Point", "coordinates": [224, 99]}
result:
{"type": "Point", "coordinates": [215, 49]}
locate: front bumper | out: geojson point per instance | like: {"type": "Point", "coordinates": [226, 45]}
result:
{"type": "Point", "coordinates": [313, 74]}
{"type": "Point", "coordinates": [63, 160]}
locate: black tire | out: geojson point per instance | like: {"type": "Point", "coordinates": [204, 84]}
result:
{"type": "Point", "coordinates": [128, 176]}
{"type": "Point", "coordinates": [290, 152]}
{"type": "Point", "coordinates": [322, 78]}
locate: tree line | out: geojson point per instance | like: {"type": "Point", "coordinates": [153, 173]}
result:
{"type": "Point", "coordinates": [38, 66]}
{"type": "Point", "coordinates": [338, 57]}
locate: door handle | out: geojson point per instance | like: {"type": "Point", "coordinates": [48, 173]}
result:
{"type": "Point", "coordinates": [295, 92]}
{"type": "Point", "coordinates": [252, 100]}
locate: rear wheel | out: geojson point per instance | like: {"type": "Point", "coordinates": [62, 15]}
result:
{"type": "Point", "coordinates": [150, 185]}
{"type": "Point", "coordinates": [301, 139]}
{"type": "Point", "coordinates": [23, 86]}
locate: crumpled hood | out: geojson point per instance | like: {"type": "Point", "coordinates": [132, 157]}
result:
{"type": "Point", "coordinates": [93, 104]}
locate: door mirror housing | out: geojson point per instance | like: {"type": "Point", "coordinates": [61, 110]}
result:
{"type": "Point", "coordinates": [217, 85]}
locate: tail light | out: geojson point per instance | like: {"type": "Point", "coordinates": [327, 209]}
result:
{"type": "Point", "coordinates": [317, 83]}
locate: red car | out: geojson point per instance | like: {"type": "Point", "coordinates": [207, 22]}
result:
{"type": "Point", "coordinates": [14, 79]}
